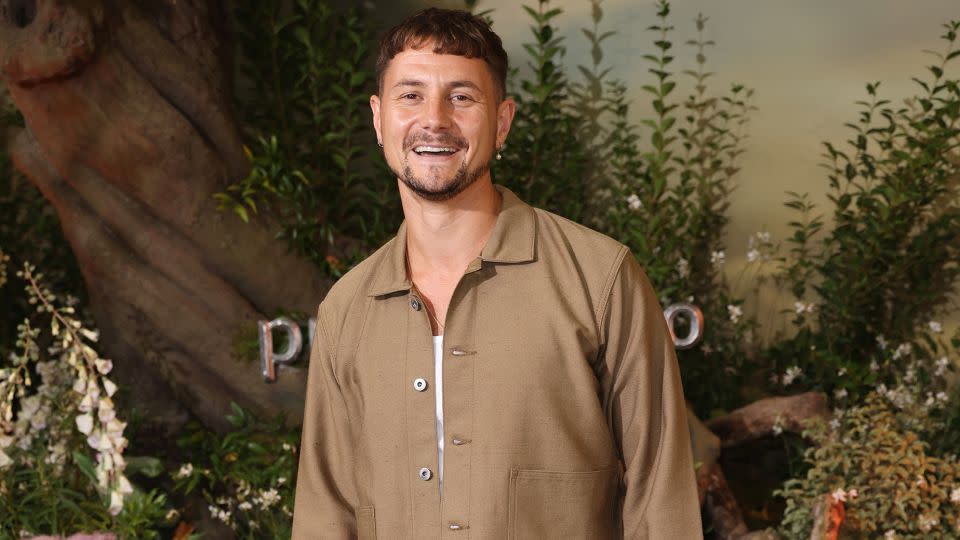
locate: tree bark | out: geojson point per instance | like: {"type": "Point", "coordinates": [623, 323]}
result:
{"type": "Point", "coordinates": [129, 134]}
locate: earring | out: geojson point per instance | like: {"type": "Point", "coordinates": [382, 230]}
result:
{"type": "Point", "coordinates": [499, 157]}
{"type": "Point", "coordinates": [380, 144]}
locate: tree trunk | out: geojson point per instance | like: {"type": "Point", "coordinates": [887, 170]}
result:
{"type": "Point", "coordinates": [129, 134]}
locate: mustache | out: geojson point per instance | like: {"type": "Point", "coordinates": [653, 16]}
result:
{"type": "Point", "coordinates": [443, 139]}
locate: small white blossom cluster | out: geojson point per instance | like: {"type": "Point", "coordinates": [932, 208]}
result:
{"type": "Point", "coordinates": [759, 247]}
{"type": "Point", "coordinates": [683, 268]}
{"type": "Point", "coordinates": [35, 423]}
{"type": "Point", "coordinates": [777, 425]}
{"type": "Point", "coordinates": [735, 313]}
{"type": "Point", "coordinates": [927, 522]}
{"type": "Point", "coordinates": [246, 501]}
{"type": "Point", "coordinates": [76, 372]}
{"type": "Point", "coordinates": [793, 373]}
{"type": "Point", "coordinates": [801, 307]}
{"type": "Point", "coordinates": [841, 495]}
{"type": "Point", "coordinates": [902, 350]}
{"type": "Point", "coordinates": [718, 258]}
{"type": "Point", "coordinates": [634, 202]}
{"type": "Point", "coordinates": [935, 327]}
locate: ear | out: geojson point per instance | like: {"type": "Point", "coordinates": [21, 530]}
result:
{"type": "Point", "coordinates": [375, 107]}
{"type": "Point", "coordinates": [505, 112]}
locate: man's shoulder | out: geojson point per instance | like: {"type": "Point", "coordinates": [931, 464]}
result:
{"type": "Point", "coordinates": [583, 242]}
{"type": "Point", "coordinates": [357, 283]}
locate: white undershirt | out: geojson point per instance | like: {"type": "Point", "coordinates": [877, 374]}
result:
{"type": "Point", "coordinates": [438, 385]}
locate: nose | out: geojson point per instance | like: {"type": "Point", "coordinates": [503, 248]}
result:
{"type": "Point", "coordinates": [437, 115]}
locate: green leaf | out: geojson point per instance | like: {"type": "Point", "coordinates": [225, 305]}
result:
{"type": "Point", "coordinates": [150, 467]}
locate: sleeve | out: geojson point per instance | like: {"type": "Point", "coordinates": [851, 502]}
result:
{"type": "Point", "coordinates": [326, 490]}
{"type": "Point", "coordinates": [644, 407]}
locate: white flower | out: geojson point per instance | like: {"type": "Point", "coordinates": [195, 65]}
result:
{"type": "Point", "coordinates": [890, 535]}
{"type": "Point", "coordinates": [281, 481]}
{"type": "Point", "coordinates": [910, 375]}
{"type": "Point", "coordinates": [942, 397]}
{"type": "Point", "coordinates": [683, 268]}
{"type": "Point", "coordinates": [185, 470]}
{"type": "Point", "coordinates": [269, 498]}
{"type": "Point", "coordinates": [717, 258]}
{"type": "Point", "coordinates": [85, 423]}
{"type": "Point", "coordinates": [123, 485]}
{"type": "Point", "coordinates": [941, 364]}
{"type": "Point", "coordinates": [764, 237]}
{"type": "Point", "coordinates": [839, 495]}
{"type": "Point", "coordinates": [103, 366]}
{"type": "Point", "coordinates": [841, 372]}
{"type": "Point", "coordinates": [928, 522]}
{"type": "Point", "coordinates": [116, 503]}
{"type": "Point", "coordinates": [955, 495]}
{"type": "Point", "coordinates": [777, 425]}
{"type": "Point", "coordinates": [634, 202]}
{"type": "Point", "coordinates": [735, 313]}
{"type": "Point", "coordinates": [793, 372]}
{"type": "Point", "coordinates": [874, 366]}
{"type": "Point", "coordinates": [840, 393]}
{"type": "Point", "coordinates": [245, 505]}
{"type": "Point", "coordinates": [4, 459]}
{"type": "Point", "coordinates": [882, 343]}
{"type": "Point", "coordinates": [753, 255]}
{"type": "Point", "coordinates": [80, 386]}
{"type": "Point", "coordinates": [802, 308]}
{"type": "Point", "coordinates": [835, 424]}
{"type": "Point", "coordinates": [935, 327]}
{"type": "Point", "coordinates": [172, 514]}
{"type": "Point", "coordinates": [902, 350]}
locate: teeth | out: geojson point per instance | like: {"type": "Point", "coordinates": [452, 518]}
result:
{"type": "Point", "coordinates": [434, 149]}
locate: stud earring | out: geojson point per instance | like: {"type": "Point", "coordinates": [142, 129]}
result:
{"type": "Point", "coordinates": [380, 144]}
{"type": "Point", "coordinates": [499, 157]}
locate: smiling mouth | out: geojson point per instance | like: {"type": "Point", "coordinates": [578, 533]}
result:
{"type": "Point", "coordinates": [424, 150]}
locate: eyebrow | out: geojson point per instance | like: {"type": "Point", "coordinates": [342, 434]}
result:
{"type": "Point", "coordinates": [450, 85]}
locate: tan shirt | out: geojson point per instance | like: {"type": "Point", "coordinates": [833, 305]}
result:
{"type": "Point", "coordinates": [563, 411]}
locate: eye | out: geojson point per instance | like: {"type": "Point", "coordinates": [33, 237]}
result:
{"type": "Point", "coordinates": [461, 98]}
{"type": "Point", "coordinates": [409, 96]}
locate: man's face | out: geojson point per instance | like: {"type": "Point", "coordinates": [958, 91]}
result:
{"type": "Point", "coordinates": [439, 120]}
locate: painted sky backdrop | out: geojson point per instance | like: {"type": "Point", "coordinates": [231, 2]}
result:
{"type": "Point", "coordinates": [808, 62]}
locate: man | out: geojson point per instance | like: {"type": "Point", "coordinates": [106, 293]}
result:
{"type": "Point", "coordinates": [494, 371]}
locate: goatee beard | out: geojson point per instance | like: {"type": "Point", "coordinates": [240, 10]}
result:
{"type": "Point", "coordinates": [461, 181]}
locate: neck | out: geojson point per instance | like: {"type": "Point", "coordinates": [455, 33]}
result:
{"type": "Point", "coordinates": [444, 237]}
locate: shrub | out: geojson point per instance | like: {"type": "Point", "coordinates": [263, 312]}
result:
{"type": "Point", "coordinates": [881, 471]}
{"type": "Point", "coordinates": [246, 476]}
{"type": "Point", "coordinates": [869, 292]}
{"type": "Point", "coordinates": [62, 463]}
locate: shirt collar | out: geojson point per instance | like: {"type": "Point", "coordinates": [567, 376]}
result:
{"type": "Point", "coordinates": [513, 241]}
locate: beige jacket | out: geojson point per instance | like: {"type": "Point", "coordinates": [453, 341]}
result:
{"type": "Point", "coordinates": [563, 411]}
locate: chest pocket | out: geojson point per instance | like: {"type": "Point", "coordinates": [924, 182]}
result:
{"type": "Point", "coordinates": [563, 505]}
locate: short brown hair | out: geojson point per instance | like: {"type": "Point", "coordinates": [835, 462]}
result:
{"type": "Point", "coordinates": [452, 31]}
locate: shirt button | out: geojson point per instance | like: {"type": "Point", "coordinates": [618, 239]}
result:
{"type": "Point", "coordinates": [425, 474]}
{"type": "Point", "coordinates": [419, 385]}
{"type": "Point", "coordinates": [458, 442]}
{"type": "Point", "coordinates": [415, 303]}
{"type": "Point", "coordinates": [455, 526]}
